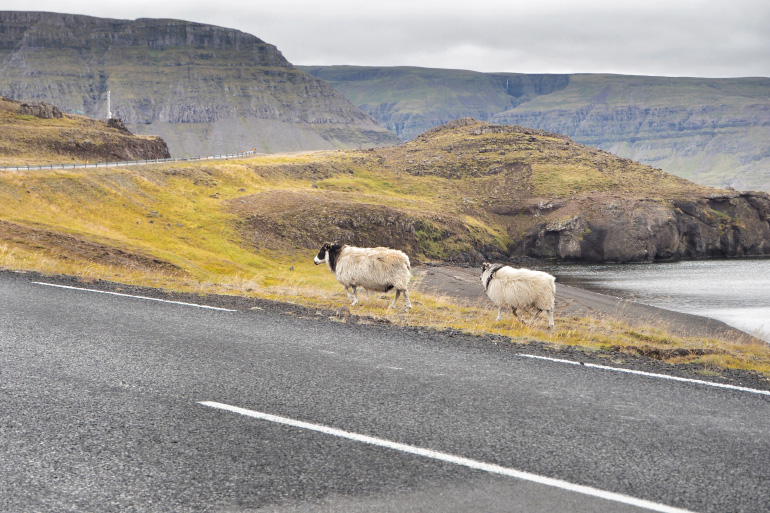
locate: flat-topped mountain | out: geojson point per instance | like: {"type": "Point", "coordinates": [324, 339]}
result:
{"type": "Point", "coordinates": [712, 131]}
{"type": "Point", "coordinates": [204, 89]}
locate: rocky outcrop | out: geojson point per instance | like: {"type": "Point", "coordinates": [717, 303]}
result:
{"type": "Point", "coordinates": [118, 148]}
{"type": "Point", "coordinates": [64, 137]}
{"type": "Point", "coordinates": [641, 230]}
{"type": "Point", "coordinates": [118, 125]}
{"type": "Point", "coordinates": [204, 89]}
{"type": "Point", "coordinates": [40, 110]}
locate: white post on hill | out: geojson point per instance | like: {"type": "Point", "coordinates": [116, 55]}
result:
{"type": "Point", "coordinates": [109, 111]}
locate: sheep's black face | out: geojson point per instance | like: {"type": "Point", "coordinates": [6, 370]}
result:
{"type": "Point", "coordinates": [321, 256]}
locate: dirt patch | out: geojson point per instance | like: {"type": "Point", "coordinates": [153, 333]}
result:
{"type": "Point", "coordinates": [70, 247]}
{"type": "Point", "coordinates": [277, 219]}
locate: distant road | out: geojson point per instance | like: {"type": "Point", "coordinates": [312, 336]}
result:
{"type": "Point", "coordinates": [128, 162]}
{"type": "Point", "coordinates": [113, 402]}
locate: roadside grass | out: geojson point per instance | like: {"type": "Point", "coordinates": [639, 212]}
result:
{"type": "Point", "coordinates": [315, 287]}
{"type": "Point", "coordinates": [295, 279]}
{"type": "Point", "coordinates": [173, 229]}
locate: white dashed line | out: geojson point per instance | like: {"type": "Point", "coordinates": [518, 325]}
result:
{"type": "Point", "coordinates": [649, 374]}
{"type": "Point", "coordinates": [134, 297]}
{"type": "Point", "coordinates": [449, 458]}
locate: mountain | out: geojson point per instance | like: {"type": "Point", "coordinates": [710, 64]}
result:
{"type": "Point", "coordinates": [39, 133]}
{"type": "Point", "coordinates": [204, 89]}
{"type": "Point", "coordinates": [712, 131]}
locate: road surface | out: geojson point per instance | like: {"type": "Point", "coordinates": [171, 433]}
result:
{"type": "Point", "coordinates": [119, 403]}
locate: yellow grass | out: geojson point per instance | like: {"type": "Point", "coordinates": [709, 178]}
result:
{"type": "Point", "coordinates": [181, 215]}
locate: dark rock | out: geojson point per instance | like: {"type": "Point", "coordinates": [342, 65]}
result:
{"type": "Point", "coordinates": [40, 110]}
{"type": "Point", "coordinates": [118, 124]}
{"type": "Point", "coordinates": [633, 230]}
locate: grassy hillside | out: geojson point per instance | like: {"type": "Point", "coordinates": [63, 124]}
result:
{"type": "Point", "coordinates": [251, 227]}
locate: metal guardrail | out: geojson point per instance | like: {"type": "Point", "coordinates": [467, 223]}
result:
{"type": "Point", "coordinates": [127, 162]}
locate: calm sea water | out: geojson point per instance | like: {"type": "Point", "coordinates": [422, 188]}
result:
{"type": "Point", "coordinates": [736, 292]}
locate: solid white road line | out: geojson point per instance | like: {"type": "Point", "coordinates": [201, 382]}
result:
{"type": "Point", "coordinates": [135, 297]}
{"type": "Point", "coordinates": [649, 374]}
{"type": "Point", "coordinates": [449, 458]}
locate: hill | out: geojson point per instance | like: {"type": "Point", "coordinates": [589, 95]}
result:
{"type": "Point", "coordinates": [712, 131]}
{"type": "Point", "coordinates": [38, 133]}
{"type": "Point", "coordinates": [464, 192]}
{"type": "Point", "coordinates": [204, 89]}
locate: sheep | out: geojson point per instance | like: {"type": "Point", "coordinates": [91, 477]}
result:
{"type": "Point", "coordinates": [378, 269]}
{"type": "Point", "coordinates": [519, 288]}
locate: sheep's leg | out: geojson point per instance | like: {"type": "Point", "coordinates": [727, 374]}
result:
{"type": "Point", "coordinates": [535, 316]}
{"type": "Point", "coordinates": [393, 303]}
{"type": "Point", "coordinates": [516, 313]}
{"type": "Point", "coordinates": [406, 299]}
{"type": "Point", "coordinates": [353, 297]}
{"type": "Point", "coordinates": [499, 313]}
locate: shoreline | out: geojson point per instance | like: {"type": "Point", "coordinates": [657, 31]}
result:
{"type": "Point", "coordinates": [463, 284]}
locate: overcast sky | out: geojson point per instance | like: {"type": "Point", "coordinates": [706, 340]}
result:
{"type": "Point", "coordinates": [700, 38]}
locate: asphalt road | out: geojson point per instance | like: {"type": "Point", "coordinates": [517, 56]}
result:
{"type": "Point", "coordinates": [101, 410]}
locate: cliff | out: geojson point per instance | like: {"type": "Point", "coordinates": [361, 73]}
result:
{"type": "Point", "coordinates": [204, 89]}
{"type": "Point", "coordinates": [712, 131]}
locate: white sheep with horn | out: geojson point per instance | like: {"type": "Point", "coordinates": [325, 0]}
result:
{"type": "Point", "coordinates": [509, 287]}
{"type": "Point", "coordinates": [377, 269]}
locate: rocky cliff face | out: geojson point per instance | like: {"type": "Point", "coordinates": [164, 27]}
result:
{"type": "Point", "coordinates": [641, 230]}
{"type": "Point", "coordinates": [205, 89]}
{"type": "Point", "coordinates": [409, 101]}
{"type": "Point", "coordinates": [712, 131]}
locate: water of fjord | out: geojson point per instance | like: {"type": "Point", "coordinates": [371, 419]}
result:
{"type": "Point", "coordinates": [736, 292]}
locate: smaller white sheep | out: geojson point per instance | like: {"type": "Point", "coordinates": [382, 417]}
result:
{"type": "Point", "coordinates": [377, 269]}
{"type": "Point", "coordinates": [519, 288]}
